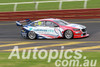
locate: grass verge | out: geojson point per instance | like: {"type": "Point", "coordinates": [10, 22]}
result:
{"type": "Point", "coordinates": [47, 6]}
{"type": "Point", "coordinates": [5, 62]}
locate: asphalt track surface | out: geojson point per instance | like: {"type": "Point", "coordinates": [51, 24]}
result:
{"type": "Point", "coordinates": [10, 37]}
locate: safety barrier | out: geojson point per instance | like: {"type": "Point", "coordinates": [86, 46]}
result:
{"type": "Point", "coordinates": [61, 14]}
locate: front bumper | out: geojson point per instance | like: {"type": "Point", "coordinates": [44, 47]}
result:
{"type": "Point", "coordinates": [81, 33]}
{"type": "Point", "coordinates": [80, 36]}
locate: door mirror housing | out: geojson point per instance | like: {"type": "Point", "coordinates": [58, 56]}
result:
{"type": "Point", "coordinates": [56, 25]}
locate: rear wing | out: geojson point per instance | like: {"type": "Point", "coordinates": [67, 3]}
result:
{"type": "Point", "coordinates": [20, 23]}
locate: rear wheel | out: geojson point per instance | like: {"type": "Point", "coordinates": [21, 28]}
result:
{"type": "Point", "coordinates": [68, 34]}
{"type": "Point", "coordinates": [31, 35]}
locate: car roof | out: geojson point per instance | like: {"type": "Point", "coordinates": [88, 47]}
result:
{"type": "Point", "coordinates": [49, 19]}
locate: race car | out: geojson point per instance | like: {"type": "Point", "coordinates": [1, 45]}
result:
{"type": "Point", "coordinates": [52, 28]}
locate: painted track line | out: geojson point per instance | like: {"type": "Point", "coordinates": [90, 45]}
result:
{"type": "Point", "coordinates": [49, 41]}
{"type": "Point", "coordinates": [46, 46]}
{"type": "Point", "coordinates": [22, 43]}
{"type": "Point", "coordinates": [9, 24]}
{"type": "Point", "coordinates": [86, 48]}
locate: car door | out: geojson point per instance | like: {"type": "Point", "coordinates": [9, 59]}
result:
{"type": "Point", "coordinates": [52, 29]}
{"type": "Point", "coordinates": [46, 29]}
{"type": "Point", "coordinates": [38, 27]}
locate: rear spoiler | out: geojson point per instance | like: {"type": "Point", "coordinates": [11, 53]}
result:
{"type": "Point", "coordinates": [28, 21]}
{"type": "Point", "coordinates": [18, 23]}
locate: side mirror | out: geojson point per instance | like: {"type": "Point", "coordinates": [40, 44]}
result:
{"type": "Point", "coordinates": [56, 25]}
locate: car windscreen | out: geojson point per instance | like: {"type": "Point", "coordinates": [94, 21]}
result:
{"type": "Point", "coordinates": [61, 22]}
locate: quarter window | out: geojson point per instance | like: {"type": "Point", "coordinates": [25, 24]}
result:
{"type": "Point", "coordinates": [39, 23]}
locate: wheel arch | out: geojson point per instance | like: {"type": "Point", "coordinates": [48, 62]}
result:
{"type": "Point", "coordinates": [66, 30]}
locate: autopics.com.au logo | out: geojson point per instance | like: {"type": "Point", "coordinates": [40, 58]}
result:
{"type": "Point", "coordinates": [65, 58]}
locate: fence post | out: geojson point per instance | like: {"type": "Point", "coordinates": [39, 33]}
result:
{"type": "Point", "coordinates": [36, 5]}
{"type": "Point", "coordinates": [15, 7]}
{"type": "Point", "coordinates": [60, 5]}
{"type": "Point", "coordinates": [85, 4]}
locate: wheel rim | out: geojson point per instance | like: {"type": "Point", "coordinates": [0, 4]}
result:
{"type": "Point", "coordinates": [32, 35]}
{"type": "Point", "coordinates": [68, 34]}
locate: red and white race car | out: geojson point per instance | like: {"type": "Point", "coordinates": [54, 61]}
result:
{"type": "Point", "coordinates": [52, 28]}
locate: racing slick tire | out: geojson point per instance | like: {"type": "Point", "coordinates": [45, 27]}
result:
{"type": "Point", "coordinates": [68, 34]}
{"type": "Point", "coordinates": [32, 35]}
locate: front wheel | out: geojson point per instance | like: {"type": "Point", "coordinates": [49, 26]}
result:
{"type": "Point", "coordinates": [68, 34]}
{"type": "Point", "coordinates": [31, 35]}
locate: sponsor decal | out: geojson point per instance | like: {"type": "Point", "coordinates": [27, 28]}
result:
{"type": "Point", "coordinates": [23, 33]}
{"type": "Point", "coordinates": [58, 32]}
{"type": "Point", "coordinates": [44, 30]}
